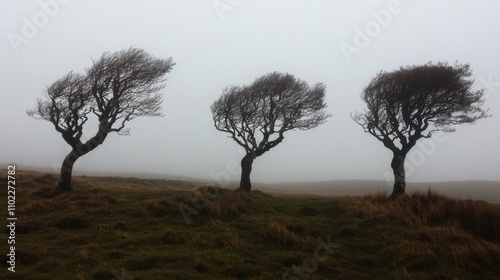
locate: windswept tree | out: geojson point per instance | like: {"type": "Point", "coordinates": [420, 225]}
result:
{"type": "Point", "coordinates": [414, 102]}
{"type": "Point", "coordinates": [117, 88]}
{"type": "Point", "coordinates": [257, 115]}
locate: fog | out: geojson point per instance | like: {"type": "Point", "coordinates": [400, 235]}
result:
{"type": "Point", "coordinates": [219, 43]}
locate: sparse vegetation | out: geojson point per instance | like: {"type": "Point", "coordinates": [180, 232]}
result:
{"type": "Point", "coordinates": [125, 228]}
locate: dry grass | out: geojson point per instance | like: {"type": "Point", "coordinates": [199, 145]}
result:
{"type": "Point", "coordinates": [468, 232]}
{"type": "Point", "coordinates": [46, 179]}
{"type": "Point", "coordinates": [111, 223]}
{"type": "Point", "coordinates": [430, 208]}
{"type": "Point", "coordinates": [159, 207]}
{"type": "Point", "coordinates": [220, 203]}
{"type": "Point", "coordinates": [280, 234]}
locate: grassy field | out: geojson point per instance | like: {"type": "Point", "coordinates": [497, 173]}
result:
{"type": "Point", "coordinates": [125, 228]}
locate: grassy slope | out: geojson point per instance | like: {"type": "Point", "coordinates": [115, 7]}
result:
{"type": "Point", "coordinates": [134, 227]}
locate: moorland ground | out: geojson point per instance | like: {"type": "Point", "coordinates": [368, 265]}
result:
{"type": "Point", "coordinates": [127, 228]}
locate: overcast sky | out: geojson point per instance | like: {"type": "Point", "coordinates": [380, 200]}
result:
{"type": "Point", "coordinates": [220, 43]}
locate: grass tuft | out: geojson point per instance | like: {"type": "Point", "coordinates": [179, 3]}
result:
{"type": "Point", "coordinates": [281, 235]}
{"type": "Point", "coordinates": [431, 208]}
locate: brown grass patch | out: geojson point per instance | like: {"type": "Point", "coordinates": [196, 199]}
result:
{"type": "Point", "coordinates": [222, 203]}
{"type": "Point", "coordinates": [46, 179]}
{"type": "Point", "coordinates": [467, 231]}
{"type": "Point", "coordinates": [281, 235]}
{"type": "Point", "coordinates": [160, 207]}
{"type": "Point", "coordinates": [432, 209]}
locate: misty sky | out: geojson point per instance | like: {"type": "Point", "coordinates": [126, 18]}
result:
{"type": "Point", "coordinates": [220, 43]}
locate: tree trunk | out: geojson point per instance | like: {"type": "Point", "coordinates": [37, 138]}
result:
{"type": "Point", "coordinates": [246, 169]}
{"type": "Point", "coordinates": [78, 150]}
{"type": "Point", "coordinates": [398, 168]}
{"type": "Point", "coordinates": [64, 184]}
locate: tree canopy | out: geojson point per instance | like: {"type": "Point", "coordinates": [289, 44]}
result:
{"type": "Point", "coordinates": [256, 116]}
{"type": "Point", "coordinates": [416, 101]}
{"type": "Point", "coordinates": [116, 88]}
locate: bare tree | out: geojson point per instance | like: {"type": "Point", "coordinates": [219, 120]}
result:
{"type": "Point", "coordinates": [258, 115]}
{"type": "Point", "coordinates": [117, 88]}
{"type": "Point", "coordinates": [414, 102]}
